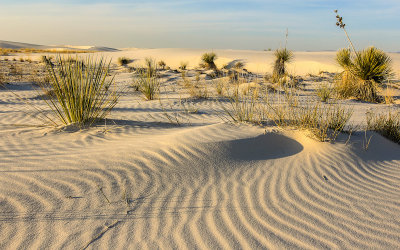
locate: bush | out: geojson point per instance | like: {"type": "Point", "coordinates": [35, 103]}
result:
{"type": "Point", "coordinates": [123, 61]}
{"type": "Point", "coordinates": [162, 64]}
{"type": "Point", "coordinates": [183, 65]}
{"type": "Point", "coordinates": [82, 91]}
{"type": "Point", "coordinates": [208, 60]}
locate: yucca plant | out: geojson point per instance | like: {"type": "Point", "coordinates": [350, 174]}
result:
{"type": "Point", "coordinates": [123, 61]}
{"type": "Point", "coordinates": [363, 71]}
{"type": "Point", "coordinates": [148, 85]}
{"type": "Point", "coordinates": [282, 56]}
{"type": "Point", "coordinates": [83, 91]}
{"type": "Point", "coordinates": [208, 60]}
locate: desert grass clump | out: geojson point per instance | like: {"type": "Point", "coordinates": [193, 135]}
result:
{"type": "Point", "coordinates": [146, 80]}
{"type": "Point", "coordinates": [162, 64]}
{"type": "Point", "coordinates": [219, 86]}
{"type": "Point", "coordinates": [82, 93]}
{"type": "Point", "coordinates": [324, 92]}
{"type": "Point", "coordinates": [183, 65]}
{"type": "Point", "coordinates": [208, 60]}
{"type": "Point", "coordinates": [282, 57]}
{"type": "Point", "coordinates": [387, 125]}
{"type": "Point", "coordinates": [245, 108]}
{"type": "Point", "coordinates": [123, 61]}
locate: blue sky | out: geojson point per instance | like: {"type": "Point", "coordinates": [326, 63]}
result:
{"type": "Point", "coordinates": [253, 24]}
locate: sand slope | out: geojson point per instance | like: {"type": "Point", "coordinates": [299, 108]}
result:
{"type": "Point", "coordinates": [18, 45]}
{"type": "Point", "coordinates": [144, 183]}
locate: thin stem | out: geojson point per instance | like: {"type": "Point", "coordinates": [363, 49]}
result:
{"type": "Point", "coordinates": [350, 41]}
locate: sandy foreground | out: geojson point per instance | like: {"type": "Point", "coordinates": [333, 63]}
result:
{"type": "Point", "coordinates": [138, 180]}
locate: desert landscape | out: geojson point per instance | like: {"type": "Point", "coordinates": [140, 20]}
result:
{"type": "Point", "coordinates": [216, 154]}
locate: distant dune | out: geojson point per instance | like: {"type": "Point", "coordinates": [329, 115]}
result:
{"type": "Point", "coordinates": [18, 45]}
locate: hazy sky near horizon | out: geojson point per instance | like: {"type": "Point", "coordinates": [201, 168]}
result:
{"type": "Point", "coordinates": [219, 24]}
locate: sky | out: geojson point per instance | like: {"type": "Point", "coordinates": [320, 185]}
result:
{"type": "Point", "coordinates": [205, 24]}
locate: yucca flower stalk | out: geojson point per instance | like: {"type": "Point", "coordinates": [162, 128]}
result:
{"type": "Point", "coordinates": [82, 90]}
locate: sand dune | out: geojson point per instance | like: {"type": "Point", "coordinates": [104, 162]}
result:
{"type": "Point", "coordinates": [142, 182]}
{"type": "Point", "coordinates": [18, 45]}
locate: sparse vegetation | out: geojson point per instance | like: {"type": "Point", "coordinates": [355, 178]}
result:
{"type": "Point", "coordinates": [208, 60]}
{"type": "Point", "coordinates": [324, 121]}
{"type": "Point", "coordinates": [324, 92]}
{"type": "Point", "coordinates": [388, 125]}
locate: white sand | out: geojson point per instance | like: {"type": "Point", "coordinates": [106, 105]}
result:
{"type": "Point", "coordinates": [212, 185]}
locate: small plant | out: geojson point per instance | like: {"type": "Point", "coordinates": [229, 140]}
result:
{"type": "Point", "coordinates": [183, 65]}
{"type": "Point", "coordinates": [324, 93]}
{"type": "Point", "coordinates": [82, 93]}
{"type": "Point", "coordinates": [162, 64]}
{"type": "Point", "coordinates": [208, 60]}
{"type": "Point", "coordinates": [2, 79]}
{"type": "Point", "coordinates": [123, 61]}
{"type": "Point", "coordinates": [219, 86]}
{"type": "Point", "coordinates": [21, 59]}
{"type": "Point", "coordinates": [387, 125]}
{"type": "Point", "coordinates": [239, 65]}
{"type": "Point", "coordinates": [388, 96]}
{"type": "Point", "coordinates": [148, 85]}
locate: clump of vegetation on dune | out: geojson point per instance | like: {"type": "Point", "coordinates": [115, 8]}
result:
{"type": "Point", "coordinates": [208, 60]}
{"type": "Point", "coordinates": [324, 121]}
{"type": "Point", "coordinates": [162, 64]}
{"type": "Point", "coordinates": [282, 57]}
{"type": "Point", "coordinates": [82, 91]}
{"type": "Point", "coordinates": [146, 80]}
{"type": "Point", "coordinates": [363, 71]}
{"type": "Point", "coordinates": [123, 61]}
{"type": "Point", "coordinates": [388, 125]}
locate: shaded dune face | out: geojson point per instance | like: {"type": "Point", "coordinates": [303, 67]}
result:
{"type": "Point", "coordinates": [262, 147]}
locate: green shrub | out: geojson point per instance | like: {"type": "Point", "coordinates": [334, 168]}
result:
{"type": "Point", "coordinates": [123, 61]}
{"type": "Point", "coordinates": [324, 93]}
{"type": "Point", "coordinates": [183, 65]}
{"type": "Point", "coordinates": [208, 60]}
{"type": "Point", "coordinates": [82, 91]}
{"type": "Point", "coordinates": [162, 64]}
